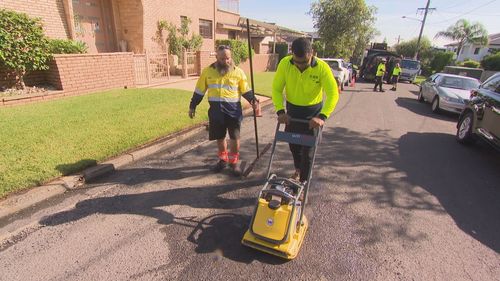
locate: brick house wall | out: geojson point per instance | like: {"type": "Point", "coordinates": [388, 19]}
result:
{"type": "Point", "coordinates": [50, 11]}
{"type": "Point", "coordinates": [155, 10]}
{"type": "Point", "coordinates": [128, 21]}
{"type": "Point", "coordinates": [226, 18]}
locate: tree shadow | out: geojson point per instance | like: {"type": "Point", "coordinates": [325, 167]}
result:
{"type": "Point", "coordinates": [424, 109]}
{"type": "Point", "coordinates": [391, 173]}
{"type": "Point", "coordinates": [149, 203]}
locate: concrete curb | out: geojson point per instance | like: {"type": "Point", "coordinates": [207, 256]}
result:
{"type": "Point", "coordinates": [18, 202]}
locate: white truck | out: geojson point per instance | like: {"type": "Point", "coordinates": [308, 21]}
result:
{"type": "Point", "coordinates": [410, 69]}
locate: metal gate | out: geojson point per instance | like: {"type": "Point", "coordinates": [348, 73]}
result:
{"type": "Point", "coordinates": [151, 68]}
{"type": "Point", "coordinates": [192, 64]}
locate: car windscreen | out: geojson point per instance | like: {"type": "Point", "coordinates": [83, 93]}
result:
{"type": "Point", "coordinates": [410, 64]}
{"type": "Point", "coordinates": [333, 64]}
{"type": "Point", "coordinates": [458, 83]}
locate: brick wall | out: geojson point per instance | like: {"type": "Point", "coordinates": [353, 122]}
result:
{"type": "Point", "coordinates": [50, 11]}
{"type": "Point", "coordinates": [128, 16]}
{"type": "Point", "coordinates": [91, 72]}
{"type": "Point", "coordinates": [155, 10]}
{"type": "Point", "coordinates": [261, 63]}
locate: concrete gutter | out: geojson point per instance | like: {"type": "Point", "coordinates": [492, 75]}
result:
{"type": "Point", "coordinates": [25, 199]}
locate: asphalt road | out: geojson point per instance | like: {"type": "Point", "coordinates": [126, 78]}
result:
{"type": "Point", "coordinates": [394, 197]}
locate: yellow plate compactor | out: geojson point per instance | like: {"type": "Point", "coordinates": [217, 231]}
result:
{"type": "Point", "coordinates": [278, 224]}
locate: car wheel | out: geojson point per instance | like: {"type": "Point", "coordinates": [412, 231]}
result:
{"type": "Point", "coordinates": [420, 95]}
{"type": "Point", "coordinates": [464, 131]}
{"type": "Point", "coordinates": [435, 104]}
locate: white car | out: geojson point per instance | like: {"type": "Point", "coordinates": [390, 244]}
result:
{"type": "Point", "coordinates": [339, 70]}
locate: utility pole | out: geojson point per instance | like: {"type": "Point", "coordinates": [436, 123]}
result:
{"type": "Point", "coordinates": [399, 38]}
{"type": "Point", "coordinates": [422, 26]}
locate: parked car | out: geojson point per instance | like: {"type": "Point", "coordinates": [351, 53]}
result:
{"type": "Point", "coordinates": [481, 116]}
{"type": "Point", "coordinates": [340, 72]}
{"type": "Point", "coordinates": [447, 92]}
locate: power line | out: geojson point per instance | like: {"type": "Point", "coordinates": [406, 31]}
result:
{"type": "Point", "coordinates": [459, 4]}
{"type": "Point", "coordinates": [468, 12]}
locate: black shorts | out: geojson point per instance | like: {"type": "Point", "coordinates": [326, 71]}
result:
{"type": "Point", "coordinates": [217, 128]}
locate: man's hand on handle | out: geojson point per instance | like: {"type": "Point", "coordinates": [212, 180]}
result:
{"type": "Point", "coordinates": [255, 103]}
{"type": "Point", "coordinates": [283, 118]}
{"type": "Point", "coordinates": [192, 113]}
{"type": "Point", "coordinates": [316, 122]}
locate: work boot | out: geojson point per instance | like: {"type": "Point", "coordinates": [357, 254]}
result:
{"type": "Point", "coordinates": [382, 91]}
{"type": "Point", "coordinates": [235, 169]}
{"type": "Point", "coordinates": [219, 166]}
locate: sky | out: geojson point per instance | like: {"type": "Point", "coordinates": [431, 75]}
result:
{"type": "Point", "coordinates": [389, 21]}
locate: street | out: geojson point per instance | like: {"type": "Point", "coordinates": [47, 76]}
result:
{"type": "Point", "coordinates": [393, 197]}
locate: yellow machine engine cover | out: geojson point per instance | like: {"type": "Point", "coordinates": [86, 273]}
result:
{"type": "Point", "coordinates": [273, 224]}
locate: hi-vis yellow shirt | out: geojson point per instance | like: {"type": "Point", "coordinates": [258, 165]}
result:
{"type": "Point", "coordinates": [224, 91]}
{"type": "Point", "coordinates": [305, 88]}
{"type": "Point", "coordinates": [380, 69]}
{"type": "Point", "coordinates": [396, 71]}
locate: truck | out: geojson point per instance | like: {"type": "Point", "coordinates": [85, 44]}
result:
{"type": "Point", "coordinates": [410, 69]}
{"type": "Point", "coordinates": [373, 56]}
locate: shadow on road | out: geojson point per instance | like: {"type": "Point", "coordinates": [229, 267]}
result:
{"type": "Point", "coordinates": [391, 174]}
{"type": "Point", "coordinates": [424, 109]}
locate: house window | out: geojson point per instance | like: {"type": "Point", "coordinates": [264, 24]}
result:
{"type": "Point", "coordinates": [206, 28]}
{"type": "Point", "coordinates": [476, 51]}
{"type": "Point", "coordinates": [231, 34]}
{"type": "Point", "coordinates": [183, 18]}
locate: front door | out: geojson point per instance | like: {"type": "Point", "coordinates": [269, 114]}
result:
{"type": "Point", "coordinates": [92, 25]}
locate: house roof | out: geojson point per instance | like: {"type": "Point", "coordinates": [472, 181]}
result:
{"type": "Point", "coordinates": [266, 28]}
{"type": "Point", "coordinates": [493, 39]}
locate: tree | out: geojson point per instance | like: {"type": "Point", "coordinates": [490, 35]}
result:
{"type": "Point", "coordinates": [23, 45]}
{"type": "Point", "coordinates": [464, 32]}
{"type": "Point", "coordinates": [342, 24]}
{"type": "Point", "coordinates": [319, 48]}
{"type": "Point", "coordinates": [440, 60]}
{"type": "Point", "coordinates": [491, 62]}
{"type": "Point", "coordinates": [178, 42]}
{"type": "Point", "coordinates": [408, 48]}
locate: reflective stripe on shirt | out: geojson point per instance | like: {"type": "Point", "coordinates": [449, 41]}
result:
{"type": "Point", "coordinates": [219, 86]}
{"type": "Point", "coordinates": [221, 99]}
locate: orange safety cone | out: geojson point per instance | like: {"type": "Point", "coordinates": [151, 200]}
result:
{"type": "Point", "coordinates": [258, 110]}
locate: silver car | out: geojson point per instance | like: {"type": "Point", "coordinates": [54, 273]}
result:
{"type": "Point", "coordinates": [447, 91]}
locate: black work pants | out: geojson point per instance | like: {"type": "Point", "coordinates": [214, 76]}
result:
{"type": "Point", "coordinates": [378, 82]}
{"type": "Point", "coordinates": [302, 155]}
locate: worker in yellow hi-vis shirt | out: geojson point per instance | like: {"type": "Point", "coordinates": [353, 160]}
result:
{"type": "Point", "coordinates": [395, 76]}
{"type": "Point", "coordinates": [225, 85]}
{"type": "Point", "coordinates": [304, 78]}
{"type": "Point", "coordinates": [379, 76]}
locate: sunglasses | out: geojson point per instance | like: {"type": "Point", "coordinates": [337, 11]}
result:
{"type": "Point", "coordinates": [223, 47]}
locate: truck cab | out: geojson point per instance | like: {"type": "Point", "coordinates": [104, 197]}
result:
{"type": "Point", "coordinates": [410, 69]}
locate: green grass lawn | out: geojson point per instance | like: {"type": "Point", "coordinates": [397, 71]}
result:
{"type": "Point", "coordinates": [263, 83]}
{"type": "Point", "coordinates": [41, 141]}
